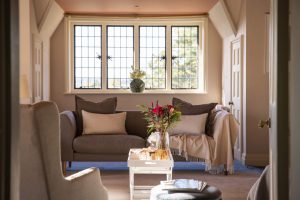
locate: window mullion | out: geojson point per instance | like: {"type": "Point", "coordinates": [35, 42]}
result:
{"type": "Point", "coordinates": [136, 47]}
{"type": "Point", "coordinates": [168, 58]}
{"type": "Point", "coordinates": [104, 58]}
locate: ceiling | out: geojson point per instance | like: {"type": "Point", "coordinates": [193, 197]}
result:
{"type": "Point", "coordinates": [137, 7]}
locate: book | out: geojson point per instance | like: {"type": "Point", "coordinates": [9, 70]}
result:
{"type": "Point", "coordinates": [186, 186]}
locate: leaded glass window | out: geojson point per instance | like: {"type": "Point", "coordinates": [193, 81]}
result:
{"type": "Point", "coordinates": [185, 57]}
{"type": "Point", "coordinates": [153, 55]}
{"type": "Point", "coordinates": [87, 56]}
{"type": "Point", "coordinates": [119, 56]}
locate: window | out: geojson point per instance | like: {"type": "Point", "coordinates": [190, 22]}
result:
{"type": "Point", "coordinates": [185, 57]}
{"type": "Point", "coordinates": [87, 56]}
{"type": "Point", "coordinates": [153, 56]}
{"type": "Point", "coordinates": [104, 50]}
{"type": "Point", "coordinates": [119, 56]}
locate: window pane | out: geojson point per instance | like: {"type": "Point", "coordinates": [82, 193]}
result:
{"type": "Point", "coordinates": [185, 57]}
{"type": "Point", "coordinates": [152, 56]}
{"type": "Point", "coordinates": [87, 56]}
{"type": "Point", "coordinates": [120, 56]}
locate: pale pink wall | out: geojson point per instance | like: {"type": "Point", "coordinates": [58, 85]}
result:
{"type": "Point", "coordinates": [251, 25]}
{"type": "Point", "coordinates": [29, 32]}
{"type": "Point", "coordinates": [129, 101]}
{"type": "Point", "coordinates": [257, 80]}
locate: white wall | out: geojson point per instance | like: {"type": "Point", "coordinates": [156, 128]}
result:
{"type": "Point", "coordinates": [129, 101]}
{"type": "Point", "coordinates": [250, 25]}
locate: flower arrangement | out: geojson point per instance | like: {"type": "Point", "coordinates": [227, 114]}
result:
{"type": "Point", "coordinates": [160, 119]}
{"type": "Point", "coordinates": [137, 84]}
{"type": "Point", "coordinates": [137, 73]}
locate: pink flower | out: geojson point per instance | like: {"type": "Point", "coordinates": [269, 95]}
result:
{"type": "Point", "coordinates": [172, 110]}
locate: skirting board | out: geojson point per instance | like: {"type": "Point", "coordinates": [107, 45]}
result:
{"type": "Point", "coordinates": [255, 159]}
{"type": "Point", "coordinates": [237, 154]}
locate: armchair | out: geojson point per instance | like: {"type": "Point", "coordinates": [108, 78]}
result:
{"type": "Point", "coordinates": [41, 168]}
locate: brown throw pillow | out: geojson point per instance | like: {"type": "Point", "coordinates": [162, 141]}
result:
{"type": "Point", "coordinates": [187, 108]}
{"type": "Point", "coordinates": [107, 106]}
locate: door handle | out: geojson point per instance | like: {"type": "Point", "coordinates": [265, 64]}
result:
{"type": "Point", "coordinates": [231, 103]}
{"type": "Point", "coordinates": [263, 123]}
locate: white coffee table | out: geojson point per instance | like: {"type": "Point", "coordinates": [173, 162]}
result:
{"type": "Point", "coordinates": [145, 165]}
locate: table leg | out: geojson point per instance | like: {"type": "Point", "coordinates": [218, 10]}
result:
{"type": "Point", "coordinates": [169, 176]}
{"type": "Point", "coordinates": [131, 183]}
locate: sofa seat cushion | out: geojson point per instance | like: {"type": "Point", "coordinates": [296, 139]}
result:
{"type": "Point", "coordinates": [107, 144]}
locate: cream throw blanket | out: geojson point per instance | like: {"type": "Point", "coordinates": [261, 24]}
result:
{"type": "Point", "coordinates": [217, 151]}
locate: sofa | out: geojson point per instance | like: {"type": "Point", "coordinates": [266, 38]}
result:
{"type": "Point", "coordinates": [77, 147]}
{"type": "Point", "coordinates": [214, 147]}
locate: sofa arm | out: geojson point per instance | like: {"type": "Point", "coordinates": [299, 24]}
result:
{"type": "Point", "coordinates": [68, 133]}
{"type": "Point", "coordinates": [226, 129]}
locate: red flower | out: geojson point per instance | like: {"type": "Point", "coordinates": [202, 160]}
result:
{"type": "Point", "coordinates": [157, 110]}
{"type": "Point", "coordinates": [170, 107]}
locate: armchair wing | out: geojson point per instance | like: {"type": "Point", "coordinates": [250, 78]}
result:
{"type": "Point", "coordinates": [41, 171]}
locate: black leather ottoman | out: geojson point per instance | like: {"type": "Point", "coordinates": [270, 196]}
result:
{"type": "Point", "coordinates": [209, 193]}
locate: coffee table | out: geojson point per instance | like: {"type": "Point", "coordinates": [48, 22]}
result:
{"type": "Point", "coordinates": [140, 162]}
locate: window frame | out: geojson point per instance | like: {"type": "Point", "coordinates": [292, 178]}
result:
{"type": "Point", "coordinates": [168, 22]}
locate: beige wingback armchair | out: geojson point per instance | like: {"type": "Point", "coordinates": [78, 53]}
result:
{"type": "Point", "coordinates": [41, 169]}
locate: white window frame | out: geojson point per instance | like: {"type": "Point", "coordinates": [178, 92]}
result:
{"type": "Point", "coordinates": [201, 21]}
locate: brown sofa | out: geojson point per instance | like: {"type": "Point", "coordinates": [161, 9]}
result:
{"type": "Point", "coordinates": [76, 147]}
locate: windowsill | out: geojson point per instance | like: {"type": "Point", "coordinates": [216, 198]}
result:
{"type": "Point", "coordinates": [146, 92]}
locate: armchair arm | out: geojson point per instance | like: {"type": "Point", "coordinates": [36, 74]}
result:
{"type": "Point", "coordinates": [68, 133]}
{"type": "Point", "coordinates": [83, 185]}
{"type": "Point", "coordinates": [87, 184]}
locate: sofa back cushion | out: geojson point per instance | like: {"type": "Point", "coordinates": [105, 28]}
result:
{"type": "Point", "coordinates": [107, 106]}
{"type": "Point", "coordinates": [104, 124]}
{"type": "Point", "coordinates": [136, 124]}
{"type": "Point", "coordinates": [190, 124]}
{"type": "Point", "coordinates": [187, 108]}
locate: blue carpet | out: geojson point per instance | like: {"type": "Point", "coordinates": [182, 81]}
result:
{"type": "Point", "coordinates": [238, 166]}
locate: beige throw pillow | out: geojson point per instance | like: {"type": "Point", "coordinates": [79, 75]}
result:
{"type": "Point", "coordinates": [94, 123]}
{"type": "Point", "coordinates": [190, 124]}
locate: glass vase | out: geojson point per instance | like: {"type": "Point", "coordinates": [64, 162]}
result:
{"type": "Point", "coordinates": [163, 140]}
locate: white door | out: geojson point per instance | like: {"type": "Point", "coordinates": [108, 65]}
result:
{"type": "Point", "coordinates": [37, 71]}
{"type": "Point", "coordinates": [236, 90]}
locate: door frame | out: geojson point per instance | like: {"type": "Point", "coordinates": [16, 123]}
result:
{"type": "Point", "coordinates": [9, 100]}
{"type": "Point", "coordinates": [279, 132]}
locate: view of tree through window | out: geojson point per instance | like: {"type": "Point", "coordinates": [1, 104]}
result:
{"type": "Point", "coordinates": [119, 56]}
{"type": "Point", "coordinates": [87, 56]}
{"type": "Point", "coordinates": [185, 57]}
{"type": "Point", "coordinates": [153, 55]}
